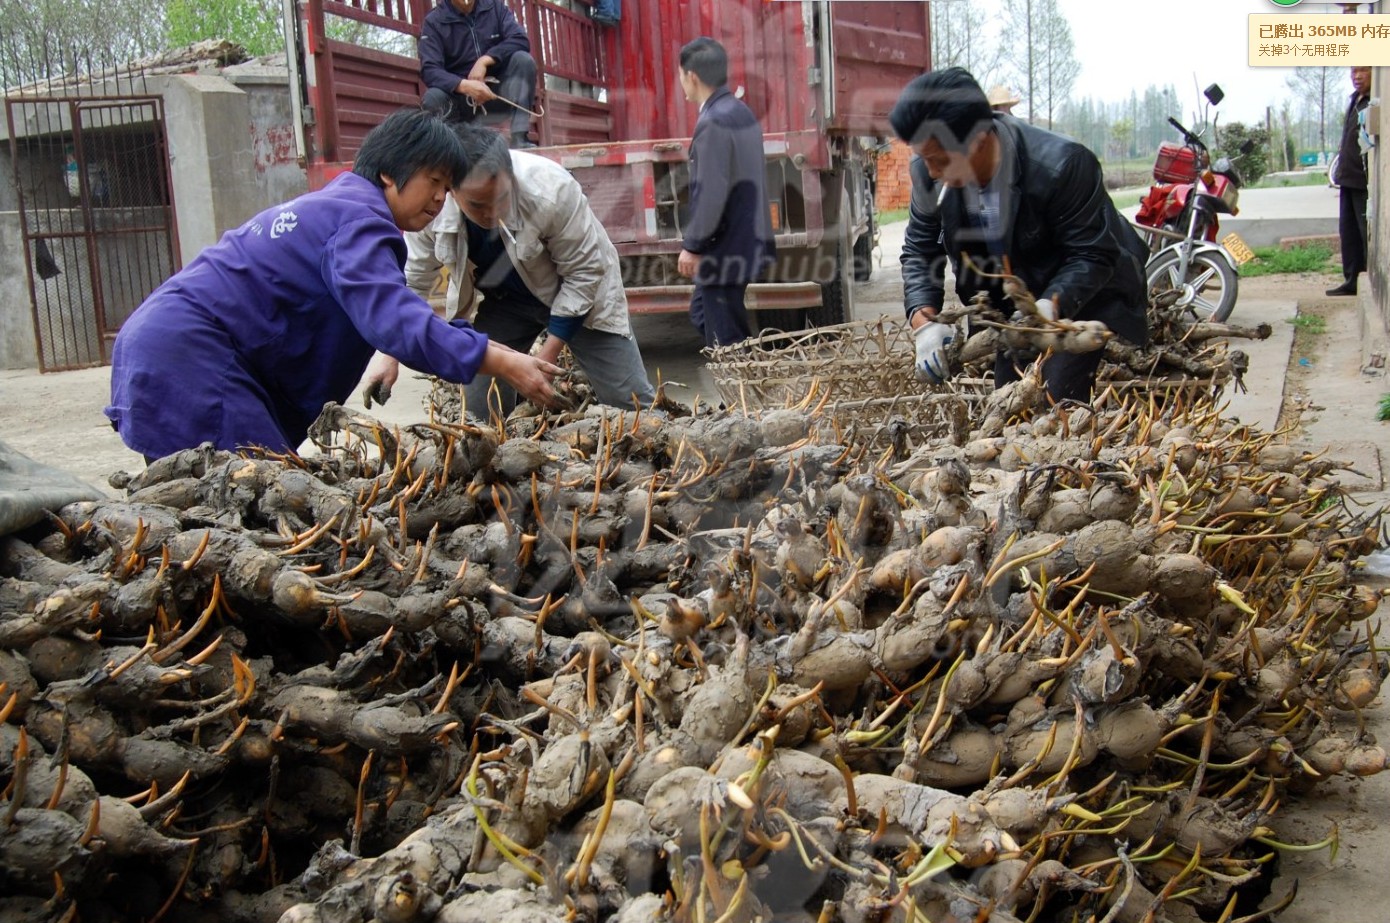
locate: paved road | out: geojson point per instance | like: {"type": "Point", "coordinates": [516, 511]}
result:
{"type": "Point", "coordinates": [1270, 215]}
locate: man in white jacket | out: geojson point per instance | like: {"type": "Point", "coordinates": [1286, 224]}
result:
{"type": "Point", "coordinates": [518, 231]}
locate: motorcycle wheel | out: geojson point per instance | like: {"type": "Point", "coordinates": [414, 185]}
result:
{"type": "Point", "coordinates": [1209, 291]}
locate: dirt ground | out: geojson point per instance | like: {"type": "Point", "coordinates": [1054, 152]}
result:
{"type": "Point", "coordinates": [1310, 383]}
{"type": "Point", "coordinates": [1330, 402]}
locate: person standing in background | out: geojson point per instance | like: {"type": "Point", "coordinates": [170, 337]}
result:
{"type": "Point", "coordinates": [1002, 99]}
{"type": "Point", "coordinates": [1351, 178]}
{"type": "Point", "coordinates": [728, 239]}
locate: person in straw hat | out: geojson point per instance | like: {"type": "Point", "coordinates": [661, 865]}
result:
{"type": "Point", "coordinates": [1002, 99]}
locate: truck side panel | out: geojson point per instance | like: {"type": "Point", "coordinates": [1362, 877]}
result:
{"type": "Point", "coordinates": [769, 57]}
{"type": "Point", "coordinates": [878, 48]}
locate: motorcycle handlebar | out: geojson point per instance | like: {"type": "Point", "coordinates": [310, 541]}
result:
{"type": "Point", "coordinates": [1188, 136]}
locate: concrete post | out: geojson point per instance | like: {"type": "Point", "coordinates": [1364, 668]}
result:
{"type": "Point", "coordinates": [208, 121]}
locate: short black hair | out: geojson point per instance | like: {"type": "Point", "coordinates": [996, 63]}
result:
{"type": "Point", "coordinates": [706, 59]}
{"type": "Point", "coordinates": [406, 142]}
{"type": "Point", "coordinates": [485, 153]}
{"type": "Point", "coordinates": [947, 105]}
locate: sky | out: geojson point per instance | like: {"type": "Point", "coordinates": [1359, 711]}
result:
{"type": "Point", "coordinates": [1131, 44]}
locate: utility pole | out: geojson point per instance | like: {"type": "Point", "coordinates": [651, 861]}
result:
{"type": "Point", "coordinates": [1028, 7]}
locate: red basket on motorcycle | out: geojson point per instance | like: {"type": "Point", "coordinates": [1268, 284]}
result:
{"type": "Point", "coordinates": [1175, 163]}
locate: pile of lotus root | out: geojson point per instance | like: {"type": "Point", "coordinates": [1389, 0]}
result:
{"type": "Point", "coordinates": [645, 666]}
{"type": "Point", "coordinates": [1183, 349]}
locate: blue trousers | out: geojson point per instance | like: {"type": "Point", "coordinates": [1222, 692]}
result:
{"type": "Point", "coordinates": [718, 312]}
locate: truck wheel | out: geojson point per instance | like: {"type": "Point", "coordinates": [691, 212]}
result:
{"type": "Point", "coordinates": [836, 299]}
{"type": "Point", "coordinates": [837, 295]}
{"type": "Point", "coordinates": [864, 255]}
{"type": "Point", "coordinates": [786, 319]}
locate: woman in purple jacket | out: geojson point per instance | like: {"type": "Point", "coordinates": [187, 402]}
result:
{"type": "Point", "coordinates": [246, 344]}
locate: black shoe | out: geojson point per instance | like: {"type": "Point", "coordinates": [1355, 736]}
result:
{"type": "Point", "coordinates": [521, 142]}
{"type": "Point", "coordinates": [1346, 288]}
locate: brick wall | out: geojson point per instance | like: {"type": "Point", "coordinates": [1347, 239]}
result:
{"type": "Point", "coordinates": [894, 185]}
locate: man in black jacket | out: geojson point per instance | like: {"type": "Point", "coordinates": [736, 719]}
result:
{"type": "Point", "coordinates": [728, 234]}
{"type": "Point", "coordinates": [464, 44]}
{"type": "Point", "coordinates": [1003, 192]}
{"type": "Point", "coordinates": [1351, 179]}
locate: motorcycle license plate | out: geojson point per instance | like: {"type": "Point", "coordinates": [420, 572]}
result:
{"type": "Point", "coordinates": [1237, 248]}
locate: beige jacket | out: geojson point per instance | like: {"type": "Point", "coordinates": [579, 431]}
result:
{"type": "Point", "coordinates": [553, 238]}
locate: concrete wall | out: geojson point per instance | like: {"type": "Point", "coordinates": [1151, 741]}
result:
{"type": "Point", "coordinates": [232, 154]}
{"type": "Point", "coordinates": [207, 120]}
{"type": "Point", "coordinates": [278, 174]}
{"type": "Point", "coordinates": [1376, 304]}
{"type": "Point", "coordinates": [16, 312]}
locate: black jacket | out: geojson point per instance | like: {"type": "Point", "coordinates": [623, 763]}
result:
{"type": "Point", "coordinates": [451, 43]}
{"type": "Point", "coordinates": [1060, 232]}
{"type": "Point", "coordinates": [1351, 163]}
{"type": "Point", "coordinates": [729, 223]}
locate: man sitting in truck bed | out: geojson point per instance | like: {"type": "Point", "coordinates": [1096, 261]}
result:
{"type": "Point", "coordinates": [467, 46]}
{"type": "Point", "coordinates": [518, 229]}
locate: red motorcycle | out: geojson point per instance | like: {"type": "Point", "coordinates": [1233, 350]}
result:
{"type": "Point", "coordinates": [1179, 215]}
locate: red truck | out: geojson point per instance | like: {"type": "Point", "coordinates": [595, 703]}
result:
{"type": "Point", "coordinates": [821, 76]}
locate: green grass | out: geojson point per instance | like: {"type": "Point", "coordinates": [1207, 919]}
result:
{"type": "Point", "coordinates": [1303, 179]}
{"type": "Point", "coordinates": [1121, 173]}
{"type": "Point", "coordinates": [889, 215]}
{"type": "Point", "coordinates": [1271, 261]}
{"type": "Point", "coordinates": [1307, 327]}
{"type": "Point", "coordinates": [1126, 198]}
{"type": "Point", "coordinates": [1314, 324]}
{"type": "Point", "coordinates": [1383, 411]}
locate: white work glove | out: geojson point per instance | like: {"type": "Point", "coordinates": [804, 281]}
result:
{"type": "Point", "coordinates": [931, 340]}
{"type": "Point", "coordinates": [1047, 309]}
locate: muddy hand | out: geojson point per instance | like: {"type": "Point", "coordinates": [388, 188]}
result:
{"type": "Point", "coordinates": [537, 383]}
{"type": "Point", "coordinates": [379, 391]}
{"type": "Point", "coordinates": [380, 376]}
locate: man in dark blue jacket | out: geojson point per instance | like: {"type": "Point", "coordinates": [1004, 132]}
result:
{"type": "Point", "coordinates": [728, 234]}
{"type": "Point", "coordinates": [464, 44]}
{"type": "Point", "coordinates": [1011, 196]}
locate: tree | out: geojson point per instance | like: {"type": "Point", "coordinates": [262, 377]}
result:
{"type": "Point", "coordinates": [1317, 88]}
{"type": "Point", "coordinates": [1290, 146]}
{"type": "Point", "coordinates": [961, 37]}
{"type": "Point", "coordinates": [252, 24]}
{"type": "Point", "coordinates": [1230, 138]}
{"type": "Point", "coordinates": [44, 40]}
{"type": "Point", "coordinates": [1121, 135]}
{"type": "Point", "coordinates": [1039, 55]}
{"type": "Point", "coordinates": [1059, 65]}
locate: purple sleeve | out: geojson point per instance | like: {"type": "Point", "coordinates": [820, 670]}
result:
{"type": "Point", "coordinates": [363, 267]}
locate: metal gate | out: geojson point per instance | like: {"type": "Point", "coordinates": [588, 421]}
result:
{"type": "Point", "coordinates": [96, 214]}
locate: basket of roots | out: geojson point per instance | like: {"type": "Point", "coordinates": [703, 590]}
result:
{"type": "Point", "coordinates": [857, 376]}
